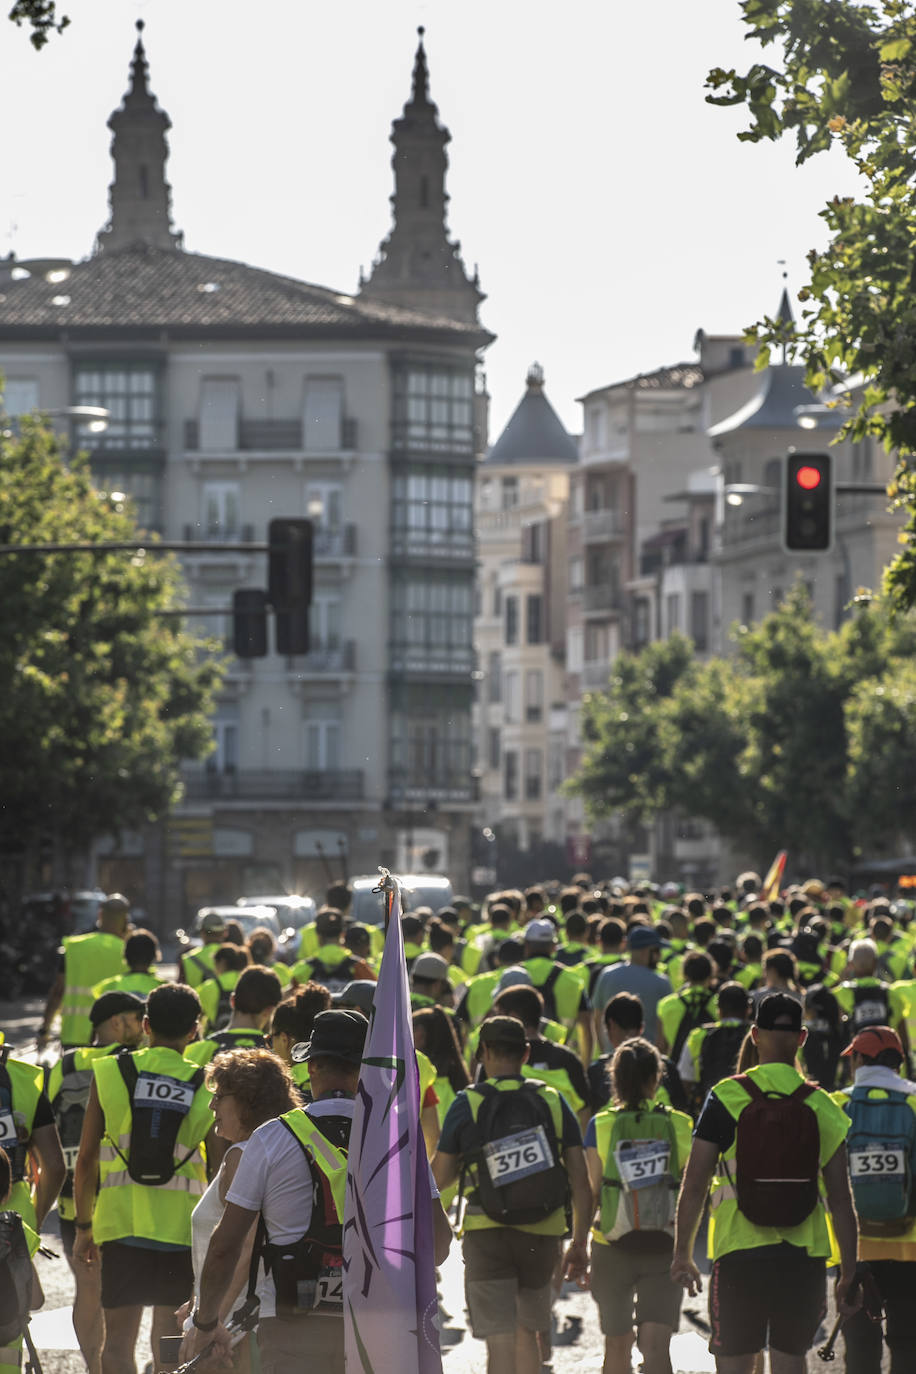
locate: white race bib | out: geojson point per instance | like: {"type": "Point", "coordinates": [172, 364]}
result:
{"type": "Point", "coordinates": [870, 1013]}
{"type": "Point", "coordinates": [158, 1090]}
{"type": "Point", "coordinates": [642, 1162]}
{"type": "Point", "coordinates": [8, 1133]}
{"type": "Point", "coordinates": [877, 1161]}
{"type": "Point", "coordinates": [516, 1156]}
{"type": "Point", "coordinates": [329, 1288]}
{"type": "Point", "coordinates": [70, 1153]}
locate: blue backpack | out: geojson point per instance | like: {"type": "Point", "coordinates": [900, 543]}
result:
{"type": "Point", "coordinates": [882, 1160]}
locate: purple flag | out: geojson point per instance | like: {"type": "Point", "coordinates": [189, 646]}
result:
{"type": "Point", "coordinates": [389, 1275]}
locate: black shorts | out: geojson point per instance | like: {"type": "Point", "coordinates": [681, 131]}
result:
{"type": "Point", "coordinates": [775, 1295]}
{"type": "Point", "coordinates": [135, 1277]}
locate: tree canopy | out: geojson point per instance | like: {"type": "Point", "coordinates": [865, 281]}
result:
{"type": "Point", "coordinates": [803, 740]}
{"type": "Point", "coordinates": [102, 691]}
{"type": "Point", "coordinates": [42, 18]}
{"type": "Point", "coordinates": [847, 76]}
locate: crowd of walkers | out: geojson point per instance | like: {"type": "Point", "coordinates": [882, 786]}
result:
{"type": "Point", "coordinates": [642, 1091]}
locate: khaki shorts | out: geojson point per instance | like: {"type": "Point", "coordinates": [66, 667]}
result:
{"type": "Point", "coordinates": [507, 1280]}
{"type": "Point", "coordinates": [632, 1285]}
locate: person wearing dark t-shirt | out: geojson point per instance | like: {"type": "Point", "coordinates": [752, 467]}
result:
{"type": "Point", "coordinates": [552, 1063]}
{"type": "Point", "coordinates": [623, 1020]}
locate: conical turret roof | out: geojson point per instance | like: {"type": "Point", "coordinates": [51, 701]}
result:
{"type": "Point", "coordinates": [535, 433]}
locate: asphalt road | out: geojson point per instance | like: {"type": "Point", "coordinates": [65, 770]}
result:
{"type": "Point", "coordinates": [578, 1344]}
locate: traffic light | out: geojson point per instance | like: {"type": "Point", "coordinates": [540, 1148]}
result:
{"type": "Point", "coordinates": [249, 623]}
{"type": "Point", "coordinates": [807, 503]}
{"type": "Point", "coordinates": [289, 582]}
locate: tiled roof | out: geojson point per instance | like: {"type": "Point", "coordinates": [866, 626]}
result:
{"type": "Point", "coordinates": [144, 287]}
{"type": "Point", "coordinates": [681, 376]}
{"type": "Point", "coordinates": [775, 406]}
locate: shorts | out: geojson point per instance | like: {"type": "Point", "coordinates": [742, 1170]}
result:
{"type": "Point", "coordinates": [775, 1295]}
{"type": "Point", "coordinates": [632, 1285]}
{"type": "Point", "coordinates": [133, 1276]}
{"type": "Point", "coordinates": [507, 1280]}
{"type": "Point", "coordinates": [67, 1235]}
{"type": "Point", "coordinates": [283, 1341]}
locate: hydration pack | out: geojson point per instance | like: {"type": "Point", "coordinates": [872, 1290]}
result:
{"type": "Point", "coordinates": [223, 1007]}
{"type": "Point", "coordinates": [639, 1189]}
{"type": "Point", "coordinates": [15, 1148]}
{"type": "Point", "coordinates": [233, 1040]}
{"type": "Point", "coordinates": [15, 1278]}
{"type": "Point", "coordinates": [697, 1011]}
{"type": "Point", "coordinates": [158, 1105]}
{"type": "Point", "coordinates": [871, 1006]}
{"type": "Point", "coordinates": [513, 1147]}
{"type": "Point", "coordinates": [882, 1160]}
{"type": "Point", "coordinates": [547, 992]}
{"type": "Point", "coordinates": [69, 1107]}
{"type": "Point", "coordinates": [719, 1054]}
{"type": "Point", "coordinates": [334, 977]}
{"type": "Point", "coordinates": [777, 1155]}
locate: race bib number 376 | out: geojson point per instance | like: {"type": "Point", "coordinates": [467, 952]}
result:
{"type": "Point", "coordinates": [158, 1090]}
{"type": "Point", "coordinates": [516, 1156]}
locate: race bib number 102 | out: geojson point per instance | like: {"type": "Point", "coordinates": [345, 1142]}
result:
{"type": "Point", "coordinates": [158, 1090]}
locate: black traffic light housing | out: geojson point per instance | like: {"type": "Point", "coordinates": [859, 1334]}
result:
{"type": "Point", "coordinates": [249, 622]}
{"type": "Point", "coordinates": [289, 582]}
{"type": "Point", "coordinates": [808, 503]}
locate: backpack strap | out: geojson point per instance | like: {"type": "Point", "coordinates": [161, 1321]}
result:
{"type": "Point", "coordinates": [552, 978]}
{"type": "Point", "coordinates": [804, 1089]}
{"type": "Point", "coordinates": [128, 1068]}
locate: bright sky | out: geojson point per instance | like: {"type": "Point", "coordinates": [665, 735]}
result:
{"type": "Point", "coordinates": [612, 212]}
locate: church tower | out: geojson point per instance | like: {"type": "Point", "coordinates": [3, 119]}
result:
{"type": "Point", "coordinates": [418, 264]}
{"type": "Point", "coordinates": [140, 197]}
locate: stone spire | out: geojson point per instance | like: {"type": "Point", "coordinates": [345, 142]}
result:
{"type": "Point", "coordinates": [139, 196]}
{"type": "Point", "coordinates": [418, 264]}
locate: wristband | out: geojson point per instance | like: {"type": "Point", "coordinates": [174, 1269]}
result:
{"type": "Point", "coordinates": [204, 1326]}
{"type": "Point", "coordinates": [83, 1225]}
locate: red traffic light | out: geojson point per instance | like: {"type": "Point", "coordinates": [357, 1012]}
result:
{"type": "Point", "coordinates": [808, 478]}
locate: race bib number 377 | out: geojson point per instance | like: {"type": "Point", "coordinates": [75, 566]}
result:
{"type": "Point", "coordinates": [516, 1156]}
{"type": "Point", "coordinates": [158, 1090]}
{"type": "Point", "coordinates": [642, 1162]}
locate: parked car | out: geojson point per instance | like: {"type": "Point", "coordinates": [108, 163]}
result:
{"type": "Point", "coordinates": [417, 889]}
{"type": "Point", "coordinates": [248, 917]}
{"type": "Point", "coordinates": [292, 913]}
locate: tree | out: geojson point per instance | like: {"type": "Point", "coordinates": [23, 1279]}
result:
{"type": "Point", "coordinates": [42, 18]}
{"type": "Point", "coordinates": [848, 77]}
{"type": "Point", "coordinates": [102, 692]}
{"type": "Point", "coordinates": [803, 739]}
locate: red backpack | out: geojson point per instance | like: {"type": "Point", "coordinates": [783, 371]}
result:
{"type": "Point", "coordinates": [777, 1155]}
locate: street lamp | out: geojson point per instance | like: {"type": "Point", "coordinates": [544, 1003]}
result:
{"type": "Point", "coordinates": [735, 492]}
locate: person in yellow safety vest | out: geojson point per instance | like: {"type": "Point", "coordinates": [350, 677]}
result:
{"type": "Point", "coordinates": [477, 997]}
{"type": "Point", "coordinates": [141, 951]}
{"type": "Point", "coordinates": [28, 1133]}
{"type": "Point", "coordinates": [768, 1281]}
{"type": "Point", "coordinates": [509, 1310]}
{"type": "Point", "coordinates": [197, 964]}
{"type": "Point", "coordinates": [291, 1025]}
{"type": "Point", "coordinates": [623, 1020]}
{"type": "Point", "coordinates": [633, 1237]}
{"type": "Point", "coordinates": [255, 998]}
{"type": "Point", "coordinates": [215, 993]}
{"type": "Point", "coordinates": [437, 1042]}
{"type": "Point", "coordinates": [262, 950]}
{"type": "Point", "coordinates": [690, 1006]}
{"type": "Point", "coordinates": [750, 969]}
{"type": "Point", "coordinates": [893, 951]}
{"type": "Point", "coordinates": [11, 1346]}
{"type": "Point", "coordinates": [482, 942]}
{"type": "Point", "coordinates": [332, 965]}
{"type": "Point", "coordinates": [551, 1063]}
{"type": "Point", "coordinates": [85, 961]}
{"type": "Point", "coordinates": [277, 1177]}
{"type": "Point", "coordinates": [117, 1019]}
{"type": "Point", "coordinates": [867, 1000]}
{"type": "Point", "coordinates": [574, 951]}
{"type": "Point", "coordinates": [564, 997]}
{"type": "Point", "coordinates": [148, 1114]}
{"type": "Point", "coordinates": [887, 1244]}
{"type": "Point", "coordinates": [358, 940]}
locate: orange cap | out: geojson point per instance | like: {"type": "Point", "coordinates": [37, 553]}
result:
{"type": "Point", "coordinates": [872, 1040]}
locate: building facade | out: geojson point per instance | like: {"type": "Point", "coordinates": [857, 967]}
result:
{"type": "Point", "coordinates": [236, 395]}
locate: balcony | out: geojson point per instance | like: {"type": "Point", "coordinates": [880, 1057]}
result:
{"type": "Point", "coordinates": [602, 597]}
{"type": "Point", "coordinates": [281, 784]}
{"type": "Point", "coordinates": [339, 543]}
{"type": "Point", "coordinates": [218, 534]}
{"type": "Point", "coordinates": [432, 660]}
{"type": "Point", "coordinates": [598, 526]}
{"type": "Point", "coordinates": [433, 546]}
{"type": "Point", "coordinates": [325, 660]}
{"type": "Point", "coordinates": [411, 791]}
{"type": "Point", "coordinates": [271, 436]}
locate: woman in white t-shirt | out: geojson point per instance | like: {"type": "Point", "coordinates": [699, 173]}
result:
{"type": "Point", "coordinates": [249, 1087]}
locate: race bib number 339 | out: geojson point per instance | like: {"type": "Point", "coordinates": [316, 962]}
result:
{"type": "Point", "coordinates": [158, 1090]}
{"type": "Point", "coordinates": [516, 1156]}
{"type": "Point", "coordinates": [876, 1161]}
{"type": "Point", "coordinates": [642, 1162]}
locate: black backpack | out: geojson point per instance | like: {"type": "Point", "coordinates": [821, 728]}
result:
{"type": "Point", "coordinates": [158, 1105]}
{"type": "Point", "coordinates": [547, 992]}
{"type": "Point", "coordinates": [15, 1278]}
{"type": "Point", "coordinates": [223, 1007]}
{"type": "Point", "coordinates": [870, 1006]}
{"type": "Point", "coordinates": [15, 1148]}
{"type": "Point", "coordinates": [232, 1040]}
{"type": "Point", "coordinates": [697, 1011]}
{"type": "Point", "coordinates": [513, 1149]}
{"type": "Point", "coordinates": [719, 1054]}
{"type": "Point", "coordinates": [69, 1107]}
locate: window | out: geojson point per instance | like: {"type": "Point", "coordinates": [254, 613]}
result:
{"type": "Point", "coordinates": [556, 765]}
{"type": "Point", "coordinates": [18, 395]}
{"type": "Point", "coordinates": [534, 694]}
{"type": "Point", "coordinates": [510, 775]}
{"type": "Point", "coordinates": [433, 409]}
{"type": "Point", "coordinates": [747, 608]}
{"type": "Point", "coordinates": [220, 510]}
{"type": "Point", "coordinates": [673, 611]}
{"type": "Point", "coordinates": [329, 496]}
{"type": "Point", "coordinates": [534, 767]}
{"type": "Point", "coordinates": [597, 643]}
{"type": "Point", "coordinates": [322, 745]}
{"type": "Point", "coordinates": [699, 620]}
{"type": "Point", "coordinates": [535, 617]}
{"type": "Point", "coordinates": [534, 542]}
{"type": "Point", "coordinates": [575, 648]}
{"type": "Point", "coordinates": [511, 605]}
{"type": "Point", "coordinates": [219, 413]}
{"type": "Point", "coordinates": [776, 596]}
{"type": "Point", "coordinates": [225, 757]}
{"type": "Point", "coordinates": [322, 414]}
{"type": "Point", "coordinates": [493, 749]}
{"type": "Point", "coordinates": [497, 601]}
{"type": "Point", "coordinates": [509, 492]}
{"type": "Point", "coordinates": [433, 612]}
{"type": "Point", "coordinates": [431, 741]}
{"type": "Point", "coordinates": [494, 676]}
{"type": "Point", "coordinates": [513, 697]}
{"type": "Point", "coordinates": [576, 573]}
{"type": "Point", "coordinates": [324, 625]}
{"type": "Point", "coordinates": [143, 488]}
{"type": "Point", "coordinates": [131, 393]}
{"type": "Point", "coordinates": [432, 510]}
{"type": "Point", "coordinates": [736, 357]}
{"type": "Point", "coordinates": [642, 631]}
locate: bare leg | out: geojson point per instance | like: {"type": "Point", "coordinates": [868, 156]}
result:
{"type": "Point", "coordinates": [122, 1325]}
{"type": "Point", "coordinates": [654, 1340]}
{"type": "Point", "coordinates": [164, 1324]}
{"type": "Point", "coordinates": [88, 1318]}
{"type": "Point", "coordinates": [617, 1354]}
{"type": "Point", "coordinates": [780, 1363]}
{"type": "Point", "coordinates": [501, 1353]}
{"type": "Point", "coordinates": [527, 1352]}
{"type": "Point", "coordinates": [735, 1364]}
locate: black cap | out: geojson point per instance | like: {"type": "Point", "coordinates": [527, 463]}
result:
{"type": "Point", "coordinates": [338, 1034]}
{"type": "Point", "coordinates": [112, 1004]}
{"type": "Point", "coordinates": [779, 1011]}
{"type": "Point", "coordinates": [329, 921]}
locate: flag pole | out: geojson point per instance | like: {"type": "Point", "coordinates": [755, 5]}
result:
{"type": "Point", "coordinates": [386, 884]}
